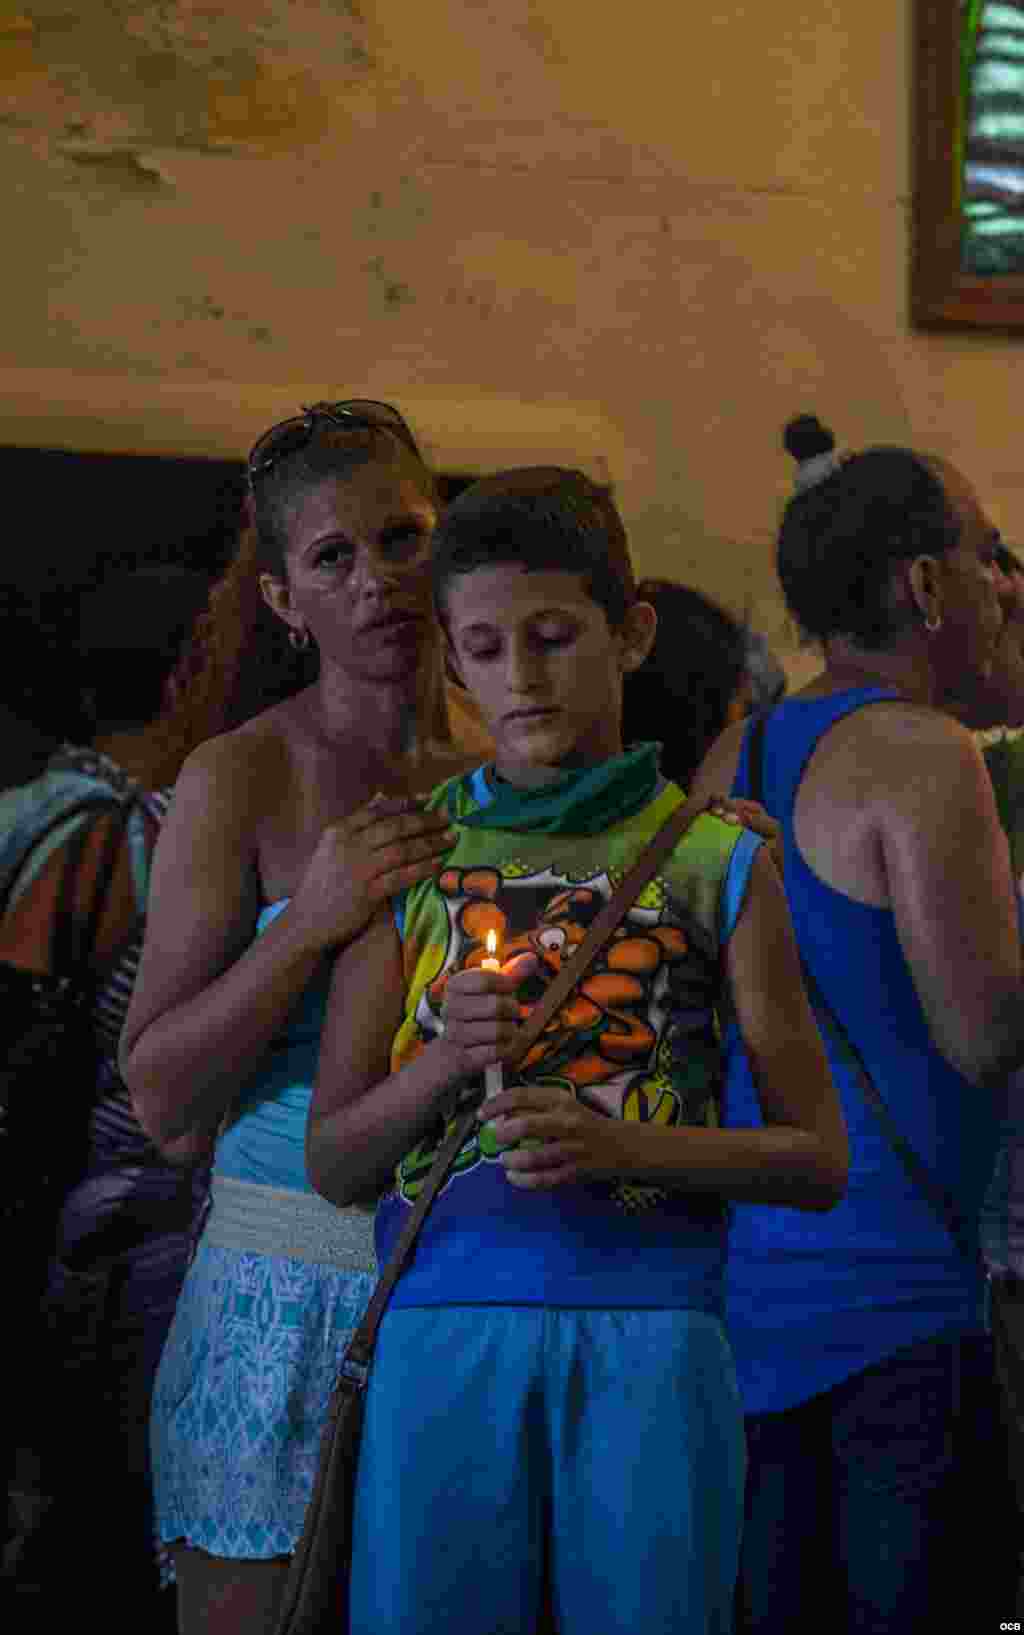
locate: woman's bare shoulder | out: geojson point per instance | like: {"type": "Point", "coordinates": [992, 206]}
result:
{"type": "Point", "coordinates": [237, 771]}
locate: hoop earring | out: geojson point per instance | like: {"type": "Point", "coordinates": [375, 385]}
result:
{"type": "Point", "coordinates": [299, 640]}
{"type": "Point", "coordinates": [932, 627]}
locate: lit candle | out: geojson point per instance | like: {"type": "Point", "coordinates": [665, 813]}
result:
{"type": "Point", "coordinates": [494, 1082]}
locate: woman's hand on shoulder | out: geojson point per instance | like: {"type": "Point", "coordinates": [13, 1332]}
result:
{"type": "Point", "coordinates": [751, 815]}
{"type": "Point", "coordinates": [383, 848]}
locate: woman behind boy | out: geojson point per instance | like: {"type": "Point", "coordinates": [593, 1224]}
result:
{"type": "Point", "coordinates": [552, 1380]}
{"type": "Point", "coordinates": [324, 665]}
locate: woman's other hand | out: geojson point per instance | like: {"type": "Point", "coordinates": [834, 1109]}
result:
{"type": "Point", "coordinates": [752, 815]}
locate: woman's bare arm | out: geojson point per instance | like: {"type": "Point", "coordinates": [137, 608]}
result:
{"type": "Point", "coordinates": [208, 1000]}
{"type": "Point", "coordinates": [210, 996]}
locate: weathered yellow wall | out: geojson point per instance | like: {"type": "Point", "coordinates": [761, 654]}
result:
{"type": "Point", "coordinates": [644, 234]}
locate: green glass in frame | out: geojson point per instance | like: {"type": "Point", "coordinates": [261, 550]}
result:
{"type": "Point", "coordinates": [989, 150]}
{"type": "Point", "coordinates": [967, 242]}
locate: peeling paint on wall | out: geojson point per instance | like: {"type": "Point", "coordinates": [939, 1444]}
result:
{"type": "Point", "coordinates": [390, 291]}
{"type": "Point", "coordinates": [204, 309]}
{"type": "Point", "coordinates": [396, 212]}
{"type": "Point", "coordinates": [261, 76]}
{"type": "Point", "coordinates": [122, 165]}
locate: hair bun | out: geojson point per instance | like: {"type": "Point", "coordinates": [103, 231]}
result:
{"type": "Point", "coordinates": [805, 437]}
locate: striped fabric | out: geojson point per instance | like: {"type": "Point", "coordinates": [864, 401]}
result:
{"type": "Point", "coordinates": [124, 1233]}
{"type": "Point", "coordinates": [82, 772]}
{"type": "Point", "coordinates": [114, 994]}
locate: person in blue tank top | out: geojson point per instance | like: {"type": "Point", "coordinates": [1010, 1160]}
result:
{"type": "Point", "coordinates": [998, 703]}
{"type": "Point", "coordinates": [551, 1404]}
{"type": "Point", "coordinates": [853, 1333]}
{"type": "Point", "coordinates": [322, 683]}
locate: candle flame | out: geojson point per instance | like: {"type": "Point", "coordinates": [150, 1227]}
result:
{"type": "Point", "coordinates": [492, 944]}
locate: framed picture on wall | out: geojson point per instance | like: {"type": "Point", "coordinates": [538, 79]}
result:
{"type": "Point", "coordinates": [967, 265]}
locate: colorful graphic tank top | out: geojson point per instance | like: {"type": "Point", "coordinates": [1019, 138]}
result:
{"type": "Point", "coordinates": [639, 1039]}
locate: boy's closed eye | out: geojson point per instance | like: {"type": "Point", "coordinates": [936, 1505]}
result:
{"type": "Point", "coordinates": [492, 649]}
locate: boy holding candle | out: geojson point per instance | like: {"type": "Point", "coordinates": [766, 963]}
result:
{"type": "Point", "coordinates": [552, 1379]}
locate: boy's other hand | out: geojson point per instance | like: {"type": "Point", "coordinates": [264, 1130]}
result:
{"type": "Point", "coordinates": [568, 1141]}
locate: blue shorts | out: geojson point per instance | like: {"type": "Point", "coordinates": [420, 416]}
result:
{"type": "Point", "coordinates": [609, 1442]}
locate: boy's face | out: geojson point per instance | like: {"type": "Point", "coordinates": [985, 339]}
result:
{"type": "Point", "coordinates": [543, 665]}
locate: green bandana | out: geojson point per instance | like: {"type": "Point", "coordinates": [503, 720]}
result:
{"type": "Point", "coordinates": [582, 802]}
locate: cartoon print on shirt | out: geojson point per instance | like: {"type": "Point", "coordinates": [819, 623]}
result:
{"type": "Point", "coordinates": [620, 1042]}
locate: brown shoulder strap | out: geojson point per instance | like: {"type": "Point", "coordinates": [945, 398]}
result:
{"type": "Point", "coordinates": [615, 910]}
{"type": "Point", "coordinates": [360, 1349]}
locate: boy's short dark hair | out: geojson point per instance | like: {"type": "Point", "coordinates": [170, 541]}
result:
{"type": "Point", "coordinates": [543, 517]}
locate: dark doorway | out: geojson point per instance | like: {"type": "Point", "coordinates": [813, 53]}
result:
{"type": "Point", "coordinates": [77, 519]}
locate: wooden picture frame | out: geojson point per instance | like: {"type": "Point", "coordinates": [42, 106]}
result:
{"type": "Point", "coordinates": [943, 293]}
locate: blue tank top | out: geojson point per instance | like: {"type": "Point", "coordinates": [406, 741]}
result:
{"type": "Point", "coordinates": [265, 1139]}
{"type": "Point", "coordinates": [812, 1299]}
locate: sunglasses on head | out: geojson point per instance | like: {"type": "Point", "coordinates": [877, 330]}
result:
{"type": "Point", "coordinates": [289, 436]}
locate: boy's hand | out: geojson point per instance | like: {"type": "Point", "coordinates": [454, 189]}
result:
{"type": "Point", "coordinates": [482, 1015]}
{"type": "Point", "coordinates": [568, 1141]}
